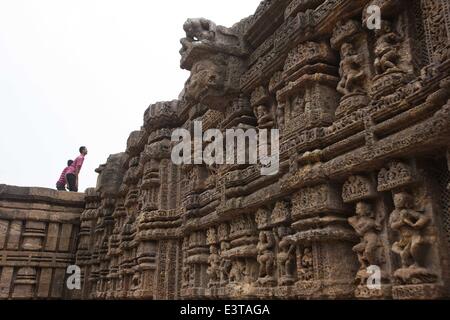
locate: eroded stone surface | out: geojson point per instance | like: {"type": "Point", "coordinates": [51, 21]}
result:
{"type": "Point", "coordinates": [364, 117]}
{"type": "Point", "coordinates": [38, 239]}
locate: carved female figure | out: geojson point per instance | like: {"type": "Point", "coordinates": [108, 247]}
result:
{"type": "Point", "coordinates": [409, 223]}
{"type": "Point", "coordinates": [186, 276]}
{"type": "Point", "coordinates": [264, 117]}
{"type": "Point", "coordinates": [280, 113]}
{"type": "Point", "coordinates": [237, 272]}
{"type": "Point", "coordinates": [367, 228]}
{"type": "Point", "coordinates": [386, 49]}
{"type": "Point", "coordinates": [414, 241]}
{"type": "Point", "coordinates": [305, 272]}
{"type": "Point", "coordinates": [266, 259]}
{"type": "Point", "coordinates": [225, 263]}
{"type": "Point", "coordinates": [214, 266]}
{"type": "Point", "coordinates": [285, 257]}
{"type": "Point", "coordinates": [350, 71]}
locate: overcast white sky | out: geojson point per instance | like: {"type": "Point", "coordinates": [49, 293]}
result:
{"type": "Point", "coordinates": [83, 72]}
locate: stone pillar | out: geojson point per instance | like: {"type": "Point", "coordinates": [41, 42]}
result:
{"type": "Point", "coordinates": [436, 21]}
{"type": "Point", "coordinates": [85, 241]}
{"type": "Point", "coordinates": [326, 265]}
{"type": "Point", "coordinates": [369, 224]}
{"type": "Point", "coordinates": [418, 273]}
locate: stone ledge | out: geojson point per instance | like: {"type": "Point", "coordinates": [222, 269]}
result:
{"type": "Point", "coordinates": [37, 194]}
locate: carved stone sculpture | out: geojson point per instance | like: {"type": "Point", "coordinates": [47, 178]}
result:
{"type": "Point", "coordinates": [350, 101]}
{"type": "Point", "coordinates": [286, 257]}
{"type": "Point", "coordinates": [414, 240]}
{"type": "Point", "coordinates": [214, 266]}
{"type": "Point", "coordinates": [266, 257]}
{"type": "Point", "coordinates": [350, 71]}
{"type": "Point", "coordinates": [368, 228]}
{"type": "Point", "coordinates": [386, 49]}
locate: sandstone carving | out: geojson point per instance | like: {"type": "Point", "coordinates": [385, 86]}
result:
{"type": "Point", "coordinates": [359, 207]}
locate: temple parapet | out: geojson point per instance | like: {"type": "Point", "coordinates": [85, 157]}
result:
{"type": "Point", "coordinates": [38, 233]}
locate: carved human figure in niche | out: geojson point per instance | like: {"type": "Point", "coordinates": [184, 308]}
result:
{"type": "Point", "coordinates": [120, 283]}
{"type": "Point", "coordinates": [109, 286]}
{"type": "Point", "coordinates": [186, 270]}
{"type": "Point", "coordinates": [225, 263]}
{"type": "Point", "coordinates": [367, 228]}
{"type": "Point", "coordinates": [213, 266]}
{"type": "Point", "coordinates": [237, 272]}
{"type": "Point", "coordinates": [305, 267]}
{"type": "Point", "coordinates": [297, 105]}
{"type": "Point", "coordinates": [266, 259]}
{"type": "Point", "coordinates": [414, 241]}
{"type": "Point", "coordinates": [264, 117]}
{"type": "Point", "coordinates": [386, 48]}
{"type": "Point", "coordinates": [351, 71]}
{"type": "Point", "coordinates": [212, 171]}
{"type": "Point", "coordinates": [281, 116]}
{"type": "Point", "coordinates": [135, 281]}
{"type": "Point", "coordinates": [286, 257]}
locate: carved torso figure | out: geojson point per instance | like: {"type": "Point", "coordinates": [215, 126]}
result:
{"type": "Point", "coordinates": [386, 49]}
{"type": "Point", "coordinates": [265, 248]}
{"type": "Point", "coordinates": [186, 276]}
{"type": "Point", "coordinates": [237, 272]}
{"type": "Point", "coordinates": [367, 228]}
{"type": "Point", "coordinates": [214, 266]}
{"type": "Point", "coordinates": [414, 239]}
{"type": "Point", "coordinates": [281, 116]}
{"type": "Point", "coordinates": [409, 224]}
{"type": "Point", "coordinates": [225, 264]}
{"type": "Point", "coordinates": [264, 117]}
{"type": "Point", "coordinates": [285, 257]}
{"type": "Point", "coordinates": [306, 264]}
{"type": "Point", "coordinates": [350, 71]}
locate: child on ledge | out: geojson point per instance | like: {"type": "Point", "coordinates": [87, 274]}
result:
{"type": "Point", "coordinates": [61, 183]}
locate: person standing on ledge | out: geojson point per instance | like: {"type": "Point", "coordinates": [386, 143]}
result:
{"type": "Point", "coordinates": [74, 170]}
{"type": "Point", "coordinates": [61, 183]}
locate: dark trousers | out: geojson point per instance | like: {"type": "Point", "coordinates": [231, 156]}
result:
{"type": "Point", "coordinates": [72, 182]}
{"type": "Point", "coordinates": [60, 187]}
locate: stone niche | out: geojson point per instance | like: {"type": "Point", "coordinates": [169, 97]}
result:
{"type": "Point", "coordinates": [359, 208]}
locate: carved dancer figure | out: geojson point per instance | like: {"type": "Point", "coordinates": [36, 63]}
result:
{"type": "Point", "coordinates": [350, 71]}
{"type": "Point", "coordinates": [386, 49]}
{"type": "Point", "coordinates": [225, 264]}
{"type": "Point", "coordinates": [266, 257]}
{"type": "Point", "coordinates": [213, 266]}
{"type": "Point", "coordinates": [264, 117]}
{"type": "Point", "coordinates": [367, 228]}
{"type": "Point", "coordinates": [186, 273]}
{"type": "Point", "coordinates": [413, 243]}
{"type": "Point", "coordinates": [281, 116]}
{"type": "Point", "coordinates": [285, 257]}
{"type": "Point", "coordinates": [306, 264]}
{"type": "Point", "coordinates": [237, 272]}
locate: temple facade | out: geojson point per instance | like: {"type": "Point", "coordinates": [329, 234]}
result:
{"type": "Point", "coordinates": [363, 187]}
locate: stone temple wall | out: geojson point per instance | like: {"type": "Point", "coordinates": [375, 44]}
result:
{"type": "Point", "coordinates": [364, 120]}
{"type": "Point", "coordinates": [38, 232]}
